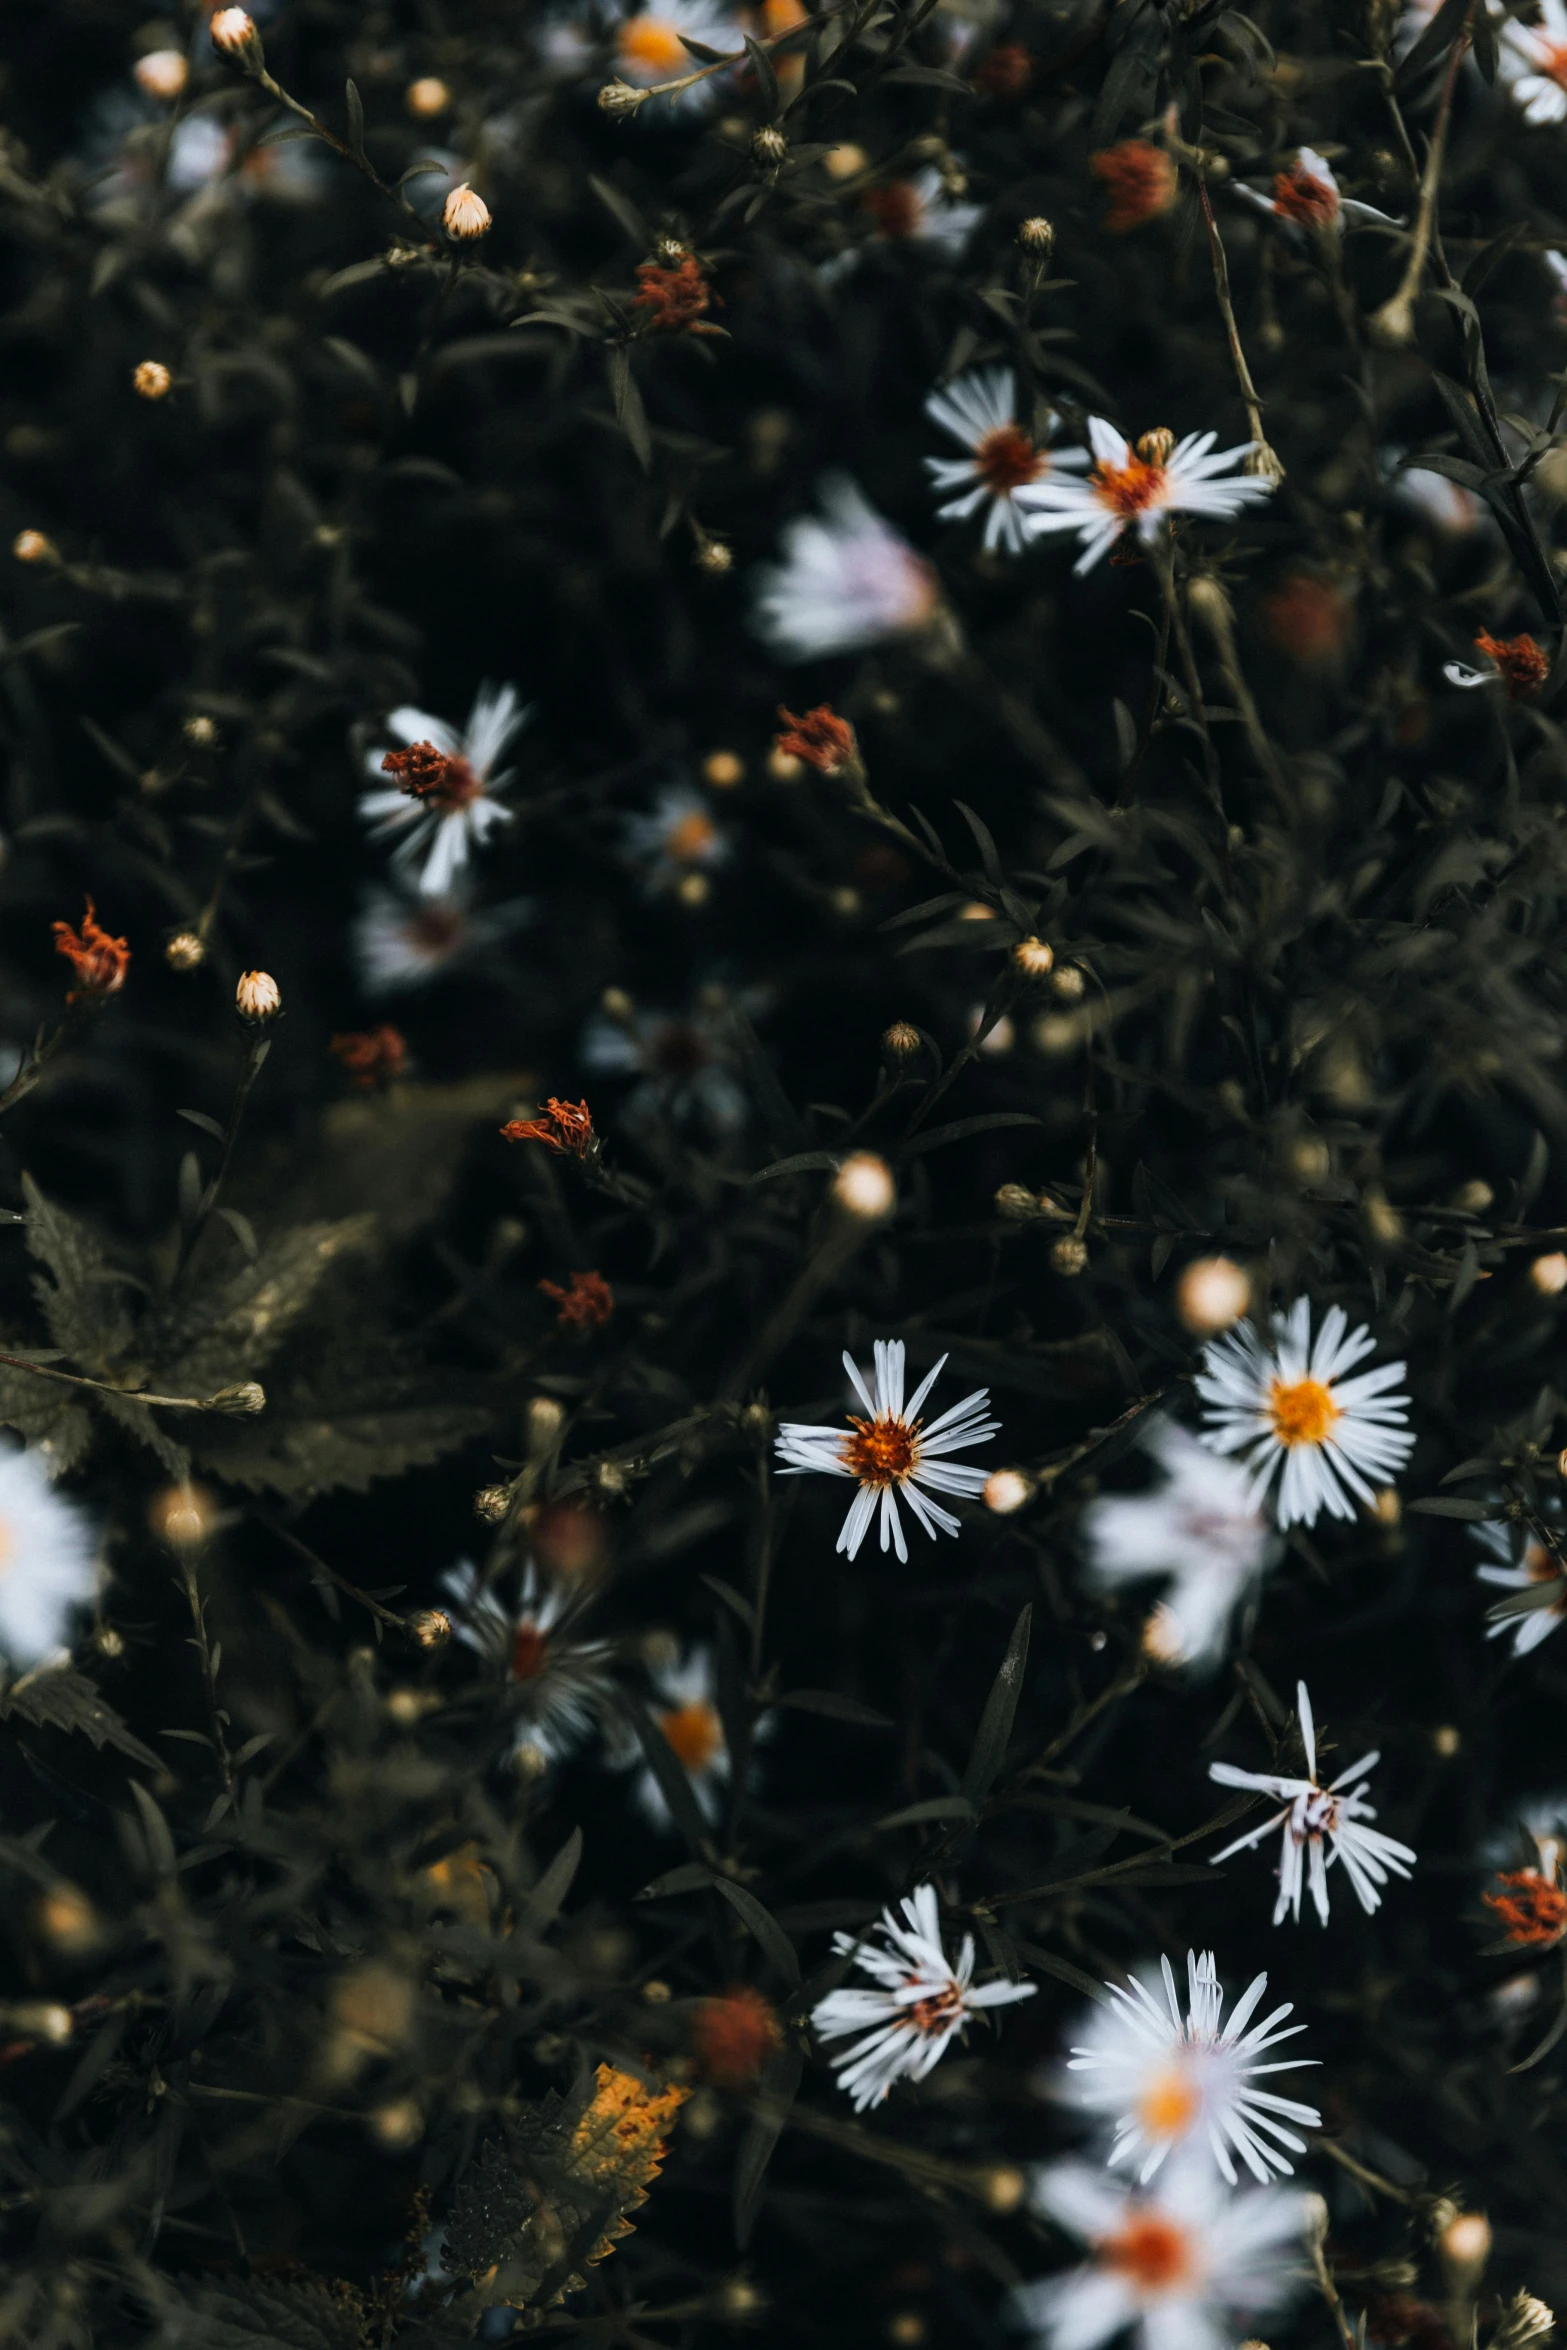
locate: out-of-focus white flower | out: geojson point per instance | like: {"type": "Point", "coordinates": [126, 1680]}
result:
{"type": "Point", "coordinates": [448, 800]}
{"type": "Point", "coordinates": [1312, 1813]}
{"type": "Point", "coordinates": [1184, 2084]}
{"type": "Point", "coordinates": [684, 1062]}
{"type": "Point", "coordinates": [1139, 489]}
{"type": "Point", "coordinates": [559, 1684]}
{"type": "Point", "coordinates": [977, 411]}
{"type": "Point", "coordinates": [1519, 1561]}
{"type": "Point", "coordinates": [47, 1560]}
{"type": "Point", "coordinates": [402, 941]}
{"type": "Point", "coordinates": [847, 579]}
{"type": "Point", "coordinates": [1188, 2265]}
{"type": "Point", "coordinates": [892, 1452]}
{"type": "Point", "coordinates": [920, 210]}
{"type": "Point", "coordinates": [1305, 195]}
{"type": "Point", "coordinates": [1285, 1402]}
{"type": "Point", "coordinates": [920, 2000]}
{"type": "Point", "coordinates": [685, 1709]}
{"type": "Point", "coordinates": [676, 838]}
{"type": "Point", "coordinates": [1533, 63]}
{"type": "Point", "coordinates": [1201, 1528]}
{"type": "Point", "coordinates": [1446, 505]}
{"type": "Point", "coordinates": [649, 49]}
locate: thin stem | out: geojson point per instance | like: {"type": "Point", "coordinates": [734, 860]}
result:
{"type": "Point", "coordinates": [168, 1403]}
{"type": "Point", "coordinates": [44, 1050]}
{"type": "Point", "coordinates": [257, 1045]}
{"type": "Point", "coordinates": [209, 1674]}
{"type": "Point", "coordinates": [382, 1615]}
{"type": "Point", "coordinates": [626, 98]}
{"type": "Point", "coordinates": [1163, 561]}
{"type": "Point", "coordinates": [1263, 459]}
{"type": "Point", "coordinates": [356, 156]}
{"type": "Point", "coordinates": [1394, 323]}
{"type": "Point", "coordinates": [1329, 2292]}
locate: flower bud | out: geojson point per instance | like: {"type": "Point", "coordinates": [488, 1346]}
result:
{"type": "Point", "coordinates": [1465, 2242]}
{"type": "Point", "coordinates": [1212, 1293]}
{"type": "Point", "coordinates": [162, 73]}
{"type": "Point", "coordinates": [769, 146]}
{"type": "Point", "coordinates": [1069, 1256]}
{"type": "Point", "coordinates": [1068, 982]}
{"type": "Point", "coordinates": [723, 770]}
{"type": "Point", "coordinates": [1033, 958]}
{"type": "Point", "coordinates": [466, 214]}
{"type": "Point", "coordinates": [31, 546]}
{"type": "Point", "coordinates": [1549, 1274]}
{"type": "Point", "coordinates": [545, 1419]}
{"type": "Point", "coordinates": [431, 1627]}
{"type": "Point", "coordinates": [241, 1403]}
{"type": "Point", "coordinates": [1524, 2320]}
{"type": "Point", "coordinates": [183, 1516]}
{"type": "Point", "coordinates": [1008, 1490]}
{"type": "Point", "coordinates": [901, 1041]}
{"type": "Point", "coordinates": [1003, 2187]}
{"type": "Point", "coordinates": [234, 36]}
{"type": "Point", "coordinates": [185, 951]}
{"type": "Point", "coordinates": [258, 998]}
{"type": "Point", "coordinates": [66, 1919]}
{"type": "Point", "coordinates": [1393, 326]}
{"type": "Point", "coordinates": [1155, 447]}
{"type": "Point", "coordinates": [864, 1186]}
{"type": "Point", "coordinates": [491, 1503]}
{"type": "Point", "coordinates": [715, 556]}
{"type": "Point", "coordinates": [399, 2124]}
{"type": "Point", "coordinates": [152, 380]}
{"type": "Point", "coordinates": [427, 96]}
{"type": "Point", "coordinates": [619, 98]}
{"type": "Point", "coordinates": [1016, 1203]}
{"type": "Point", "coordinates": [1036, 235]}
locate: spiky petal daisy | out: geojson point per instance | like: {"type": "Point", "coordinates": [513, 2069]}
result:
{"type": "Point", "coordinates": [676, 838]}
{"type": "Point", "coordinates": [446, 799]}
{"type": "Point", "coordinates": [892, 1452]}
{"type": "Point", "coordinates": [1173, 2083]}
{"type": "Point", "coordinates": [920, 2000]}
{"type": "Point", "coordinates": [1321, 1825]}
{"type": "Point", "coordinates": [1284, 1402]}
{"type": "Point", "coordinates": [1533, 63]}
{"type": "Point", "coordinates": [847, 579]}
{"type": "Point", "coordinates": [1521, 1563]}
{"type": "Point", "coordinates": [404, 940]}
{"type": "Point", "coordinates": [1190, 2265]}
{"type": "Point", "coordinates": [48, 1562]}
{"type": "Point", "coordinates": [978, 412]}
{"type": "Point", "coordinates": [558, 1683]}
{"type": "Point", "coordinates": [1139, 489]}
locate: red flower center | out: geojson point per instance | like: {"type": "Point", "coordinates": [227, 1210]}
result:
{"type": "Point", "coordinates": [895, 207]}
{"type": "Point", "coordinates": [1152, 2253]}
{"type": "Point", "coordinates": [429, 776]}
{"type": "Point", "coordinates": [1006, 458]}
{"type": "Point", "coordinates": [1299, 196]}
{"type": "Point", "coordinates": [530, 1648]}
{"type": "Point", "coordinates": [1130, 489]}
{"type": "Point", "coordinates": [881, 1452]}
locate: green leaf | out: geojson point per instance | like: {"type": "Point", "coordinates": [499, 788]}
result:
{"type": "Point", "coordinates": [763, 1925]}
{"type": "Point", "coordinates": [233, 1319]}
{"type": "Point", "coordinates": [995, 1723]}
{"type": "Point", "coordinates": [935, 1807]}
{"type": "Point", "coordinates": [80, 1291]}
{"type": "Point", "coordinates": [836, 1708]}
{"type": "Point", "coordinates": [356, 120]}
{"type": "Point", "coordinates": [961, 1128]}
{"type": "Point", "coordinates": [258, 2313]}
{"type": "Point", "coordinates": [670, 1773]}
{"type": "Point", "coordinates": [780, 2085]}
{"type": "Point", "coordinates": [61, 1698]}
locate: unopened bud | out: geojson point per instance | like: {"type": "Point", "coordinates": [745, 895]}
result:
{"type": "Point", "coordinates": [737, 2299]}
{"type": "Point", "coordinates": [1466, 2241]}
{"type": "Point", "coordinates": [1561, 1463]}
{"type": "Point", "coordinates": [431, 1627]}
{"type": "Point", "coordinates": [770, 146]}
{"type": "Point", "coordinates": [162, 73]}
{"type": "Point", "coordinates": [1210, 601]}
{"type": "Point", "coordinates": [723, 770]}
{"type": "Point", "coordinates": [1154, 447]}
{"type": "Point", "coordinates": [1549, 1274]}
{"type": "Point", "coordinates": [152, 380]}
{"type": "Point", "coordinates": [1008, 1490]}
{"type": "Point", "coordinates": [715, 556]}
{"type": "Point", "coordinates": [31, 546]}
{"type": "Point", "coordinates": [491, 1503]}
{"type": "Point", "coordinates": [40, 2019]}
{"type": "Point", "coordinates": [1525, 2319]}
{"type": "Point", "coordinates": [1212, 1293]}
{"type": "Point", "coordinates": [620, 98]}
{"type": "Point", "coordinates": [901, 1041]}
{"type": "Point", "coordinates": [427, 96]}
{"type": "Point", "coordinates": [184, 1516]}
{"type": "Point", "coordinates": [1016, 1203]}
{"type": "Point", "coordinates": [200, 732]}
{"type": "Point", "coordinates": [108, 1642]}
{"type": "Point", "coordinates": [1069, 1256]}
{"type": "Point", "coordinates": [241, 1403]}
{"type": "Point", "coordinates": [864, 1186]}
{"type": "Point", "coordinates": [1068, 982]}
{"type": "Point", "coordinates": [1387, 1509]}
{"type": "Point", "coordinates": [546, 1418]}
{"type": "Point", "coordinates": [1036, 235]}
{"type": "Point", "coordinates": [234, 36]}
{"type": "Point", "coordinates": [185, 952]}
{"type": "Point", "coordinates": [258, 998]}
{"type": "Point", "coordinates": [399, 2124]}
{"type": "Point", "coordinates": [66, 1918]}
{"type": "Point", "coordinates": [1034, 958]}
{"type": "Point", "coordinates": [1393, 326]}
{"type": "Point", "coordinates": [466, 214]}
{"type": "Point", "coordinates": [1003, 2187]}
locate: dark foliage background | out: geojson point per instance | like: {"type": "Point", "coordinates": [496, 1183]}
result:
{"type": "Point", "coordinates": [331, 1945]}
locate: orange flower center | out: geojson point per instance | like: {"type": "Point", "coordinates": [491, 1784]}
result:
{"type": "Point", "coordinates": [429, 776]}
{"type": "Point", "coordinates": [695, 1733]}
{"type": "Point", "coordinates": [653, 45]}
{"type": "Point", "coordinates": [936, 2013]}
{"type": "Point", "coordinates": [881, 1452]}
{"type": "Point", "coordinates": [1298, 196]}
{"type": "Point", "coordinates": [1152, 2253]}
{"type": "Point", "coordinates": [1551, 61]}
{"type": "Point", "coordinates": [688, 840]}
{"type": "Point", "coordinates": [1130, 489]}
{"type": "Point", "coordinates": [1168, 2106]}
{"type": "Point", "coordinates": [1006, 458]}
{"type": "Point", "coordinates": [895, 207]}
{"type": "Point", "coordinates": [1302, 1411]}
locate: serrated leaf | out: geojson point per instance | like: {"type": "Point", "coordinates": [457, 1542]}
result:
{"type": "Point", "coordinates": [259, 2313]}
{"type": "Point", "coordinates": [61, 1698]}
{"type": "Point", "coordinates": [234, 1317]}
{"type": "Point", "coordinates": [80, 1291]}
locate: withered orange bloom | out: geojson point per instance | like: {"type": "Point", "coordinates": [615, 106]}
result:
{"type": "Point", "coordinates": [734, 2035]}
{"type": "Point", "coordinates": [371, 1056]}
{"type": "Point", "coordinates": [675, 298]}
{"type": "Point", "coordinates": [821, 738]}
{"type": "Point", "coordinates": [1007, 73]}
{"type": "Point", "coordinates": [585, 1303]}
{"type": "Point", "coordinates": [1140, 180]}
{"type": "Point", "coordinates": [1533, 1911]}
{"type": "Point", "coordinates": [99, 961]}
{"type": "Point", "coordinates": [430, 776]}
{"type": "Point", "coordinates": [566, 1127]}
{"type": "Point", "coordinates": [1523, 664]}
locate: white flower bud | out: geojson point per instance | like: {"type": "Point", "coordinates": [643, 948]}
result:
{"type": "Point", "coordinates": [258, 997]}
{"type": "Point", "coordinates": [864, 1186]}
{"type": "Point", "coordinates": [466, 215]}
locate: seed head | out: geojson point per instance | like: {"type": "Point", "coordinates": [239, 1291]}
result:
{"type": "Point", "coordinates": [619, 98]}
{"type": "Point", "coordinates": [1212, 1293]}
{"type": "Point", "coordinates": [1034, 958]}
{"type": "Point", "coordinates": [234, 36]}
{"type": "Point", "coordinates": [715, 556]}
{"type": "Point", "coordinates": [185, 951]}
{"type": "Point", "coordinates": [241, 1403]}
{"type": "Point", "coordinates": [1037, 235]}
{"type": "Point", "coordinates": [769, 146]}
{"type": "Point", "coordinates": [1069, 1256]}
{"type": "Point", "coordinates": [431, 1627]}
{"type": "Point", "coordinates": [258, 998]}
{"type": "Point", "coordinates": [427, 96]}
{"type": "Point", "coordinates": [152, 380]}
{"type": "Point", "coordinates": [31, 546]}
{"type": "Point", "coordinates": [491, 1503]}
{"type": "Point", "coordinates": [162, 73]}
{"type": "Point", "coordinates": [466, 214]}
{"type": "Point", "coordinates": [864, 1187]}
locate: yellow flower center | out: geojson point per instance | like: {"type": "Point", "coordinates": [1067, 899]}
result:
{"type": "Point", "coordinates": [1168, 2106]}
{"type": "Point", "coordinates": [648, 42]}
{"type": "Point", "coordinates": [695, 1733]}
{"type": "Point", "coordinates": [1302, 1411]}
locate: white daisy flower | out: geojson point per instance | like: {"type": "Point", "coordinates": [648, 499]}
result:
{"type": "Point", "coordinates": [1201, 1528]}
{"type": "Point", "coordinates": [559, 1684]}
{"type": "Point", "coordinates": [683, 1059]}
{"type": "Point", "coordinates": [676, 838]}
{"type": "Point", "coordinates": [402, 941]}
{"type": "Point", "coordinates": [48, 1561]}
{"type": "Point", "coordinates": [893, 1452]}
{"type": "Point", "coordinates": [1139, 489]}
{"type": "Point", "coordinates": [649, 48]}
{"type": "Point", "coordinates": [1446, 505]}
{"type": "Point", "coordinates": [1190, 2265]}
{"type": "Point", "coordinates": [847, 579]}
{"type": "Point", "coordinates": [1312, 1812]}
{"type": "Point", "coordinates": [1305, 195]}
{"type": "Point", "coordinates": [685, 1708]}
{"type": "Point", "coordinates": [922, 1998]}
{"type": "Point", "coordinates": [978, 412]}
{"type": "Point", "coordinates": [1185, 2085]}
{"type": "Point", "coordinates": [1285, 1402]}
{"type": "Point", "coordinates": [1533, 63]}
{"type": "Point", "coordinates": [1520, 1561]}
{"type": "Point", "coordinates": [447, 799]}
